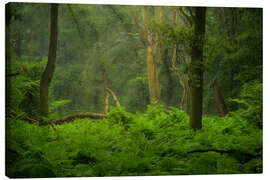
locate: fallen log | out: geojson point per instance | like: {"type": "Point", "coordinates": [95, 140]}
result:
{"type": "Point", "coordinates": [71, 118]}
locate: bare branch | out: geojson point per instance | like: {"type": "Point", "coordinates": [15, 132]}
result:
{"type": "Point", "coordinates": [141, 30]}
{"type": "Point", "coordinates": [76, 21]}
{"type": "Point", "coordinates": [114, 96]}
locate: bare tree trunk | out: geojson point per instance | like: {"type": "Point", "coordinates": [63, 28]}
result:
{"type": "Point", "coordinates": [49, 70]}
{"type": "Point", "coordinates": [220, 103]}
{"type": "Point", "coordinates": [196, 71]}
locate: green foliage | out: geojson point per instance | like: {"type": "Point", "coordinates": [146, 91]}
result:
{"type": "Point", "coordinates": [99, 46]}
{"type": "Point", "coordinates": [251, 97]}
{"type": "Point", "coordinates": [24, 90]}
{"type": "Point", "coordinates": [118, 115]}
{"type": "Point", "coordinates": [157, 142]}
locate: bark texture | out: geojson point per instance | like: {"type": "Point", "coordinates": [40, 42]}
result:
{"type": "Point", "coordinates": [196, 69]}
{"type": "Point", "coordinates": [49, 70]}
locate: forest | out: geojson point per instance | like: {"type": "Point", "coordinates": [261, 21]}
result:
{"type": "Point", "coordinates": [118, 90]}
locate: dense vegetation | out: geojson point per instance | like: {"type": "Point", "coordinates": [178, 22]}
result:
{"type": "Point", "coordinates": [132, 90]}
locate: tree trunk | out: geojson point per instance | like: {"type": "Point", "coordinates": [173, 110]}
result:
{"type": "Point", "coordinates": [169, 88]}
{"type": "Point", "coordinates": [43, 46]}
{"type": "Point", "coordinates": [32, 36]}
{"type": "Point", "coordinates": [188, 101]}
{"type": "Point", "coordinates": [153, 49]}
{"type": "Point", "coordinates": [153, 76]}
{"type": "Point", "coordinates": [19, 44]}
{"type": "Point", "coordinates": [97, 100]}
{"type": "Point", "coordinates": [220, 103]}
{"type": "Point", "coordinates": [49, 70]}
{"type": "Point", "coordinates": [8, 17]}
{"type": "Point", "coordinates": [196, 70]}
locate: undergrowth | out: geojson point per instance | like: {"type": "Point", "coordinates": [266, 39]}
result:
{"type": "Point", "coordinates": [158, 142]}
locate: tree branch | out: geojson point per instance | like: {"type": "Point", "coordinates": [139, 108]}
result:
{"type": "Point", "coordinates": [75, 20]}
{"type": "Point", "coordinates": [187, 17]}
{"type": "Point", "coordinates": [141, 30]}
{"type": "Point", "coordinates": [114, 96]}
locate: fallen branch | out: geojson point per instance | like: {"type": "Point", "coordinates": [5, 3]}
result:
{"type": "Point", "coordinates": [27, 119]}
{"type": "Point", "coordinates": [213, 150]}
{"type": "Point", "coordinates": [114, 96]}
{"type": "Point", "coordinates": [12, 74]}
{"type": "Point", "coordinates": [68, 119]}
{"type": "Point", "coordinates": [71, 118]}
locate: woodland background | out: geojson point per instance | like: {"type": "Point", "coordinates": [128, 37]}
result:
{"type": "Point", "coordinates": [170, 90]}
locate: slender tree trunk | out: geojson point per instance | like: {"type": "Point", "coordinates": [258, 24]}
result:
{"type": "Point", "coordinates": [196, 71]}
{"type": "Point", "coordinates": [220, 103]}
{"type": "Point", "coordinates": [32, 37]}
{"type": "Point", "coordinates": [188, 101]}
{"type": "Point", "coordinates": [7, 55]}
{"type": "Point", "coordinates": [97, 100]}
{"type": "Point", "coordinates": [169, 76]}
{"type": "Point", "coordinates": [49, 70]}
{"type": "Point", "coordinates": [229, 38]}
{"type": "Point", "coordinates": [43, 48]}
{"type": "Point", "coordinates": [19, 45]}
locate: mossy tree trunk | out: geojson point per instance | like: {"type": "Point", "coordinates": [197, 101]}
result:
{"type": "Point", "coordinates": [153, 71]}
{"type": "Point", "coordinates": [154, 50]}
{"type": "Point", "coordinates": [154, 55]}
{"type": "Point", "coordinates": [196, 69]}
{"type": "Point", "coordinates": [49, 70]}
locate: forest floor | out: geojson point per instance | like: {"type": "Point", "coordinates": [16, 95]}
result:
{"type": "Point", "coordinates": [158, 142]}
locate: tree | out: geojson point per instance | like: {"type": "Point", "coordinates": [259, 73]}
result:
{"type": "Point", "coordinates": [154, 50]}
{"type": "Point", "coordinates": [220, 103]}
{"type": "Point", "coordinates": [49, 70]}
{"type": "Point", "coordinates": [196, 69]}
